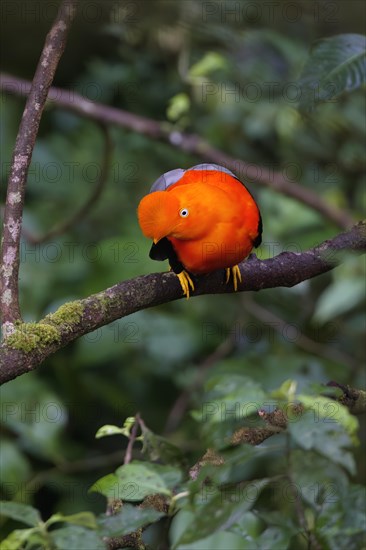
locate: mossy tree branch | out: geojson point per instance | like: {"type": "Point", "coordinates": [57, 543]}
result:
{"type": "Point", "coordinates": [53, 48]}
{"type": "Point", "coordinates": [32, 343]}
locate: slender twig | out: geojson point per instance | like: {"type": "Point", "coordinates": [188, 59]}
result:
{"type": "Point", "coordinates": [31, 343]}
{"type": "Point", "coordinates": [90, 202]}
{"type": "Point", "coordinates": [28, 129]}
{"type": "Point", "coordinates": [313, 543]}
{"type": "Point", "coordinates": [132, 439]}
{"type": "Point", "coordinates": [190, 143]}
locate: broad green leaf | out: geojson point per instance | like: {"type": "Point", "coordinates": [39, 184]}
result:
{"type": "Point", "coordinates": [222, 540]}
{"type": "Point", "coordinates": [239, 463]}
{"type": "Point", "coordinates": [235, 465]}
{"type": "Point", "coordinates": [338, 298]}
{"type": "Point", "coordinates": [149, 478]}
{"type": "Point", "coordinates": [335, 65]}
{"type": "Point", "coordinates": [85, 519]}
{"type": "Point", "coordinates": [221, 511]}
{"type": "Point", "coordinates": [134, 481]}
{"type": "Point", "coordinates": [318, 492]}
{"type": "Point", "coordinates": [129, 519]}
{"type": "Point", "coordinates": [158, 447]}
{"type": "Point", "coordinates": [327, 438]}
{"type": "Point", "coordinates": [111, 487]}
{"type": "Point", "coordinates": [342, 524]}
{"type": "Point", "coordinates": [16, 539]}
{"type": "Point", "coordinates": [230, 397]}
{"type": "Point", "coordinates": [249, 525]}
{"type": "Point", "coordinates": [331, 411]}
{"type": "Point", "coordinates": [275, 538]}
{"type": "Point", "coordinates": [20, 512]}
{"type": "Point", "coordinates": [75, 536]}
{"type": "Point", "coordinates": [277, 518]}
{"type": "Point", "coordinates": [219, 541]}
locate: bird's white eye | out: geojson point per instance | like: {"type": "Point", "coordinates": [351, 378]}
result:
{"type": "Point", "coordinates": [184, 213]}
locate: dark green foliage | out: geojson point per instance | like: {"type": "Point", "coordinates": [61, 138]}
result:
{"type": "Point", "coordinates": [246, 86]}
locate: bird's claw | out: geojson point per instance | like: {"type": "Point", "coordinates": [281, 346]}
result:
{"type": "Point", "coordinates": [185, 282]}
{"type": "Point", "coordinates": [235, 271]}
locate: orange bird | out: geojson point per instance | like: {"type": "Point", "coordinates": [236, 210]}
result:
{"type": "Point", "coordinates": [201, 219]}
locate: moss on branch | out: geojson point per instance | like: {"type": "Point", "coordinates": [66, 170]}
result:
{"type": "Point", "coordinates": [32, 336]}
{"type": "Point", "coordinates": [30, 344]}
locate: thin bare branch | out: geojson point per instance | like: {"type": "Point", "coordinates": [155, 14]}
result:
{"type": "Point", "coordinates": [28, 129]}
{"type": "Point", "coordinates": [31, 343]}
{"type": "Point", "coordinates": [132, 439]}
{"type": "Point", "coordinates": [308, 532]}
{"type": "Point", "coordinates": [190, 143]}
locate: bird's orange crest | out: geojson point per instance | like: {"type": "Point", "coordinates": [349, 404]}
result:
{"type": "Point", "coordinates": [157, 213]}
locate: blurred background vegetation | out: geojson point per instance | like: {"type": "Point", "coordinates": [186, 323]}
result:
{"type": "Point", "coordinates": [156, 58]}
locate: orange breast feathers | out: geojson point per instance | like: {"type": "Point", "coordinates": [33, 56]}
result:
{"type": "Point", "coordinates": [208, 216]}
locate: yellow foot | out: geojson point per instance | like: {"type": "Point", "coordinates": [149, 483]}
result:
{"type": "Point", "coordinates": [185, 282]}
{"type": "Point", "coordinates": [235, 271]}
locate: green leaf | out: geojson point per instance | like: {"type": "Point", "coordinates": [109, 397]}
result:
{"type": "Point", "coordinates": [276, 518]}
{"type": "Point", "coordinates": [331, 411]}
{"type": "Point", "coordinates": [224, 509]}
{"type": "Point", "coordinates": [342, 524]}
{"type": "Point", "coordinates": [75, 536]}
{"type": "Point", "coordinates": [219, 541]}
{"type": "Point", "coordinates": [230, 397]}
{"type": "Point", "coordinates": [275, 538]}
{"type": "Point", "coordinates": [235, 465]}
{"type": "Point", "coordinates": [338, 298]}
{"type": "Point", "coordinates": [249, 525]}
{"type": "Point", "coordinates": [210, 62]}
{"type": "Point", "coordinates": [16, 539]}
{"type": "Point", "coordinates": [160, 448]}
{"type": "Point", "coordinates": [111, 429]}
{"type": "Point", "coordinates": [286, 391]}
{"type": "Point", "coordinates": [178, 105]}
{"type": "Point", "coordinates": [108, 429]}
{"type": "Point", "coordinates": [127, 521]}
{"type": "Point", "coordinates": [222, 540]}
{"type": "Point", "coordinates": [323, 435]}
{"type": "Point", "coordinates": [318, 492]}
{"type": "Point", "coordinates": [110, 487]}
{"type": "Point", "coordinates": [149, 478]}
{"type": "Point", "coordinates": [85, 519]}
{"type": "Point", "coordinates": [134, 481]}
{"type": "Point", "coordinates": [20, 512]}
{"type": "Point", "coordinates": [336, 65]}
